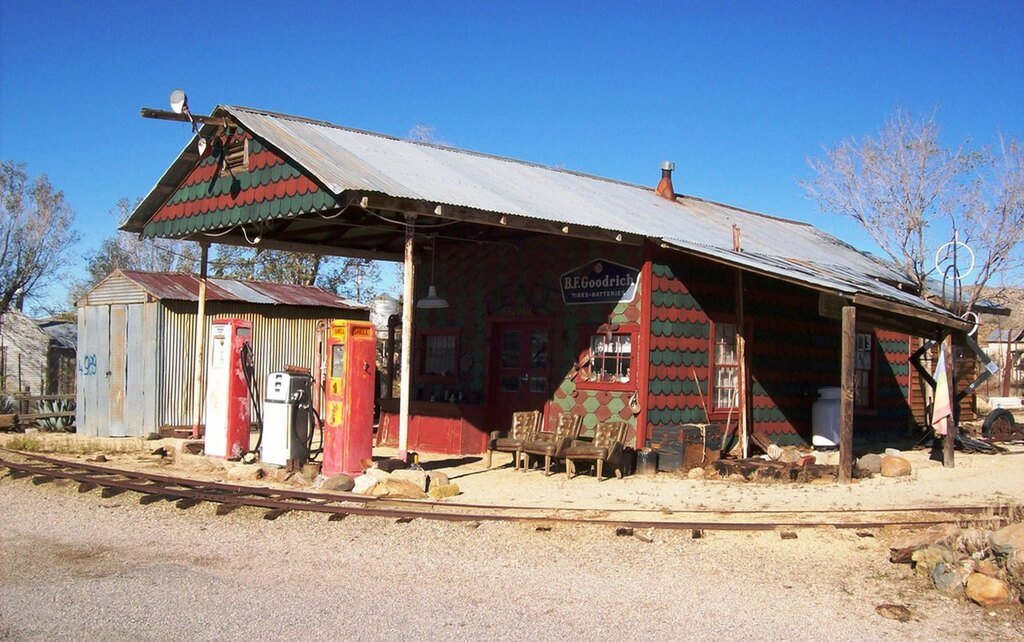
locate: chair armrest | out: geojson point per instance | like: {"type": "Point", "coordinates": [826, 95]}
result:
{"type": "Point", "coordinates": [497, 434]}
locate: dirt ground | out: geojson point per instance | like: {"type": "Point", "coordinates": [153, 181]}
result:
{"type": "Point", "coordinates": [79, 566]}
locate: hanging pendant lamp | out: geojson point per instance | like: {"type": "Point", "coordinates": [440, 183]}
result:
{"type": "Point", "coordinates": [432, 301]}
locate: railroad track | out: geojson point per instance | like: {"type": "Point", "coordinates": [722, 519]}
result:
{"type": "Point", "coordinates": [186, 492]}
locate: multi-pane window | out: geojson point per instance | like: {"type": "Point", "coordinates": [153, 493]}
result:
{"type": "Point", "coordinates": [439, 355]}
{"type": "Point", "coordinates": [611, 357]}
{"type": "Point", "coordinates": [863, 367]}
{"type": "Point", "coordinates": [727, 365]}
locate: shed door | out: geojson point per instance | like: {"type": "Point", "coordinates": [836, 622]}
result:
{"type": "Point", "coordinates": [117, 370]}
{"type": "Point", "coordinates": [92, 384]}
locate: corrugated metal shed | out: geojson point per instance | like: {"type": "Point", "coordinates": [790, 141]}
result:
{"type": "Point", "coordinates": [136, 340]}
{"type": "Point", "coordinates": [349, 160]}
{"type": "Point", "coordinates": [180, 286]}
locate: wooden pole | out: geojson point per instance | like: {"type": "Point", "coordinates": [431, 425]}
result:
{"type": "Point", "coordinates": [847, 373]}
{"type": "Point", "coordinates": [949, 441]}
{"type": "Point", "coordinates": [405, 386]}
{"type": "Point", "coordinates": [741, 358]}
{"type": "Point", "coordinates": [1007, 364]}
{"type": "Point", "coordinates": [200, 365]}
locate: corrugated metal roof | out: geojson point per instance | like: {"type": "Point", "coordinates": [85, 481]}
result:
{"type": "Point", "coordinates": [344, 159]}
{"type": "Point", "coordinates": [180, 286]}
{"type": "Point", "coordinates": [1002, 336]}
{"type": "Point", "coordinates": [63, 334]}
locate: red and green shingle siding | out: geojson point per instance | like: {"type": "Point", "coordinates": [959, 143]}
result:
{"type": "Point", "coordinates": [791, 351]}
{"type": "Point", "coordinates": [273, 187]}
{"type": "Point", "coordinates": [679, 346]}
{"type": "Point", "coordinates": [483, 281]}
{"type": "Point", "coordinates": [892, 365]}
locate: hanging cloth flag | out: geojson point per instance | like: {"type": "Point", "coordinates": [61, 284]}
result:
{"type": "Point", "coordinates": [942, 406]}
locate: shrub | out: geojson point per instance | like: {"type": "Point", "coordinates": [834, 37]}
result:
{"type": "Point", "coordinates": [56, 424]}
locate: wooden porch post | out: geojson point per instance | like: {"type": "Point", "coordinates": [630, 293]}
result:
{"type": "Point", "coordinates": [847, 372]}
{"type": "Point", "coordinates": [949, 441]}
{"type": "Point", "coordinates": [200, 365]}
{"type": "Point", "coordinates": [407, 305]}
{"type": "Point", "coordinates": [741, 358]}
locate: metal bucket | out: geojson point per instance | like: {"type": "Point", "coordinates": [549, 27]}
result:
{"type": "Point", "coordinates": [646, 462]}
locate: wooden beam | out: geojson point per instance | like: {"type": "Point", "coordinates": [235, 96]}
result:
{"type": "Point", "coordinates": [847, 374]}
{"type": "Point", "coordinates": [949, 441]}
{"type": "Point", "coordinates": [405, 385]}
{"type": "Point", "coordinates": [481, 217]}
{"type": "Point", "coordinates": [200, 364]}
{"type": "Point", "coordinates": [163, 114]}
{"type": "Point", "coordinates": [741, 358]}
{"type": "Point", "coordinates": [893, 307]}
{"type": "Point", "coordinates": [297, 246]}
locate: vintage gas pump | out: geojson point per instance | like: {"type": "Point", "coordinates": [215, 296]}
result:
{"type": "Point", "coordinates": [286, 419]}
{"type": "Point", "coordinates": [347, 405]}
{"type": "Point", "coordinates": [227, 390]}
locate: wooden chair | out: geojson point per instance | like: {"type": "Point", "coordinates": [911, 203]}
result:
{"type": "Point", "coordinates": [606, 448]}
{"type": "Point", "coordinates": [524, 424]}
{"type": "Point", "coordinates": [552, 445]}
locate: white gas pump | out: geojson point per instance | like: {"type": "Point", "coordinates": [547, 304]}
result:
{"type": "Point", "coordinates": [286, 419]}
{"type": "Point", "coordinates": [227, 389]}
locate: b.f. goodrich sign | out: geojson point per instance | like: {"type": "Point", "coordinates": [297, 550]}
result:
{"type": "Point", "coordinates": [599, 281]}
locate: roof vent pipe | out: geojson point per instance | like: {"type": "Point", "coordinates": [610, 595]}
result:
{"type": "Point", "coordinates": [665, 189]}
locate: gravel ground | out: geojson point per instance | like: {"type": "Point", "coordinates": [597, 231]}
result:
{"type": "Point", "coordinates": [78, 566]}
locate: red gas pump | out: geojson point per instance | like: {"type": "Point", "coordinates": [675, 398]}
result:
{"type": "Point", "coordinates": [227, 392]}
{"type": "Point", "coordinates": [350, 360]}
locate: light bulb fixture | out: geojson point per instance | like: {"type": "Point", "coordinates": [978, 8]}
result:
{"type": "Point", "coordinates": [179, 105]}
{"type": "Point", "coordinates": [432, 301]}
{"type": "Point", "coordinates": [179, 101]}
{"type": "Point", "coordinates": [252, 241]}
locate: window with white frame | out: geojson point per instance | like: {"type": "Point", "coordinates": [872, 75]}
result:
{"type": "Point", "coordinates": [439, 355]}
{"type": "Point", "coordinates": [611, 357]}
{"type": "Point", "coordinates": [726, 367]}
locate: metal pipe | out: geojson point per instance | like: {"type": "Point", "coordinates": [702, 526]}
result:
{"type": "Point", "coordinates": [197, 382]}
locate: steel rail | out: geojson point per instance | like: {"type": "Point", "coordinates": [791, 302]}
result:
{"type": "Point", "coordinates": [339, 495]}
{"type": "Point", "coordinates": [188, 492]}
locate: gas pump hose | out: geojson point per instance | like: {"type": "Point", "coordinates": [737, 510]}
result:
{"type": "Point", "coordinates": [249, 372]}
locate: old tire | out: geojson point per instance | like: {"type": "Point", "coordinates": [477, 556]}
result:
{"type": "Point", "coordinates": [998, 422]}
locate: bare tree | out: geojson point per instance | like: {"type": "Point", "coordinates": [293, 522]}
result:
{"type": "Point", "coordinates": [357, 279]}
{"type": "Point", "coordinates": [267, 265]}
{"type": "Point", "coordinates": [127, 251]}
{"type": "Point", "coordinates": [35, 235]}
{"type": "Point", "coordinates": [908, 192]}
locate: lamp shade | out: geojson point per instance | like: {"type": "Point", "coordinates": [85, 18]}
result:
{"type": "Point", "coordinates": [432, 301]}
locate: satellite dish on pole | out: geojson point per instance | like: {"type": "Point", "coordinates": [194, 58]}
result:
{"type": "Point", "coordinates": [179, 101]}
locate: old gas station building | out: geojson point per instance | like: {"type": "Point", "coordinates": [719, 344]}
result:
{"type": "Point", "coordinates": [565, 292]}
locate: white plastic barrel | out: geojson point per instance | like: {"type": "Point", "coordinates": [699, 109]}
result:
{"type": "Point", "coordinates": [825, 418]}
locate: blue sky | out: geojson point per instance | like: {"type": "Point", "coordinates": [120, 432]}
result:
{"type": "Point", "coordinates": [738, 94]}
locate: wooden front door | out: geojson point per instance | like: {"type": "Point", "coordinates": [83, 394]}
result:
{"type": "Point", "coordinates": [519, 369]}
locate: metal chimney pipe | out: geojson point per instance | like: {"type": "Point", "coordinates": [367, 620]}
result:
{"type": "Point", "coordinates": [665, 189]}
